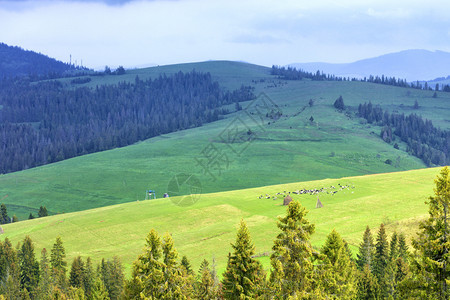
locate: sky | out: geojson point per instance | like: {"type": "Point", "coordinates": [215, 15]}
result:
{"type": "Point", "coordinates": [266, 32]}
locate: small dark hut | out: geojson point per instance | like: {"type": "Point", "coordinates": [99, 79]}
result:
{"type": "Point", "coordinates": [287, 200]}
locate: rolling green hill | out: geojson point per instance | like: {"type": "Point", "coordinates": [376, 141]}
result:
{"type": "Point", "coordinates": [257, 147]}
{"type": "Point", "coordinates": [205, 229]}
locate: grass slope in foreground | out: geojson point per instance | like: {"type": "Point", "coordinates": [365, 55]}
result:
{"type": "Point", "coordinates": [205, 229]}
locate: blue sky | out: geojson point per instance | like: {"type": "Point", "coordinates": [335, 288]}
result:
{"type": "Point", "coordinates": [266, 32]}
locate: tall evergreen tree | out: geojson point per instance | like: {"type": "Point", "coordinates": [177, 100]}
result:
{"type": "Point", "coordinates": [187, 265]}
{"type": "Point", "coordinates": [205, 286]}
{"type": "Point", "coordinates": [59, 264]}
{"type": "Point", "coordinates": [381, 259]}
{"type": "Point", "coordinates": [366, 250]}
{"type": "Point", "coordinates": [114, 278]}
{"type": "Point", "coordinates": [292, 257]}
{"type": "Point", "coordinates": [45, 281]}
{"type": "Point", "coordinates": [156, 273]}
{"type": "Point", "coordinates": [4, 219]}
{"type": "Point", "coordinates": [393, 250]}
{"type": "Point", "coordinates": [29, 266]}
{"type": "Point", "coordinates": [89, 278]}
{"type": "Point", "coordinates": [10, 271]}
{"type": "Point", "coordinates": [77, 272]}
{"type": "Point", "coordinates": [42, 212]}
{"type": "Point", "coordinates": [430, 263]}
{"type": "Point", "coordinates": [99, 291]}
{"type": "Point", "coordinates": [402, 247]}
{"type": "Point", "coordinates": [339, 270]}
{"type": "Point", "coordinates": [367, 286]}
{"type": "Point", "coordinates": [241, 277]}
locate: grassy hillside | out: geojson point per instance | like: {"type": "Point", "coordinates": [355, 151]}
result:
{"type": "Point", "coordinates": [205, 229]}
{"type": "Point", "coordinates": [289, 149]}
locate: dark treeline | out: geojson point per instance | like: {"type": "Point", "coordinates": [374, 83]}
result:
{"type": "Point", "coordinates": [291, 73]}
{"type": "Point", "coordinates": [430, 144]}
{"type": "Point", "coordinates": [384, 267]}
{"type": "Point", "coordinates": [44, 123]}
{"type": "Point", "coordinates": [16, 62]}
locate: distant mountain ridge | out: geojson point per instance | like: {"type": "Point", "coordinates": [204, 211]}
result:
{"type": "Point", "coordinates": [411, 65]}
{"type": "Point", "coordinates": [15, 61]}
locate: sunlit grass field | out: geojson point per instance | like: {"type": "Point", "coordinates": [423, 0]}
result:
{"type": "Point", "coordinates": [206, 228]}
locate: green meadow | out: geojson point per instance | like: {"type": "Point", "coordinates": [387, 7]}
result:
{"type": "Point", "coordinates": [206, 228]}
{"type": "Point", "coordinates": [254, 151]}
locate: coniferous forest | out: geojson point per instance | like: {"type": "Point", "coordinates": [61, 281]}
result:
{"type": "Point", "coordinates": [383, 268]}
{"type": "Point", "coordinates": [44, 122]}
{"type": "Point", "coordinates": [423, 140]}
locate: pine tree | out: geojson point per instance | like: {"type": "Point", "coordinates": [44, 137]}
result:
{"type": "Point", "coordinates": [89, 278]}
{"type": "Point", "coordinates": [29, 266]}
{"type": "Point", "coordinates": [59, 264]}
{"type": "Point", "coordinates": [381, 255]}
{"type": "Point", "coordinates": [381, 259]}
{"type": "Point", "coordinates": [291, 261]}
{"type": "Point", "coordinates": [393, 250]}
{"type": "Point", "coordinates": [156, 279]}
{"type": "Point", "coordinates": [77, 271]}
{"type": "Point", "coordinates": [4, 219]}
{"type": "Point", "coordinates": [10, 278]}
{"type": "Point", "coordinates": [430, 264]}
{"type": "Point", "coordinates": [45, 281]}
{"type": "Point", "coordinates": [99, 291]}
{"type": "Point", "coordinates": [367, 286]}
{"type": "Point", "coordinates": [339, 270]}
{"type": "Point", "coordinates": [114, 280]}
{"type": "Point", "coordinates": [175, 285]}
{"type": "Point", "coordinates": [42, 212]}
{"type": "Point", "coordinates": [8, 258]}
{"type": "Point", "coordinates": [186, 264]}
{"type": "Point", "coordinates": [366, 251]}
{"type": "Point", "coordinates": [205, 286]}
{"type": "Point", "coordinates": [241, 277]}
{"type": "Point", "coordinates": [339, 103]}
{"type": "Point", "coordinates": [402, 247]}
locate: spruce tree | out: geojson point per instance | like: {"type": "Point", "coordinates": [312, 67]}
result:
{"type": "Point", "coordinates": [77, 272]}
{"type": "Point", "coordinates": [156, 273]}
{"type": "Point", "coordinates": [187, 265]}
{"type": "Point", "coordinates": [292, 257]}
{"type": "Point", "coordinates": [115, 279]}
{"type": "Point", "coordinates": [4, 219]}
{"type": "Point", "coordinates": [10, 278]}
{"type": "Point", "coordinates": [402, 247]}
{"type": "Point", "coordinates": [59, 264]}
{"type": "Point", "coordinates": [98, 291]}
{"type": "Point", "coordinates": [366, 251]}
{"type": "Point", "coordinates": [430, 265]}
{"type": "Point", "coordinates": [89, 278]}
{"type": "Point", "coordinates": [339, 270]}
{"type": "Point", "coordinates": [367, 286]}
{"type": "Point", "coordinates": [45, 281]}
{"type": "Point", "coordinates": [393, 251]}
{"type": "Point", "coordinates": [381, 256]}
{"type": "Point", "coordinates": [29, 266]}
{"type": "Point", "coordinates": [42, 212]}
{"type": "Point", "coordinates": [241, 277]}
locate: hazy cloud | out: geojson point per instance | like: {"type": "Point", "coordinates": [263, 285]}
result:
{"type": "Point", "coordinates": [126, 32]}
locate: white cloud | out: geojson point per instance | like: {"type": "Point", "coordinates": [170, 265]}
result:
{"type": "Point", "coordinates": [265, 31]}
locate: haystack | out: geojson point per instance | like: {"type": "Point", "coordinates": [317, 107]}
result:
{"type": "Point", "coordinates": [319, 204]}
{"type": "Point", "coordinates": [287, 200]}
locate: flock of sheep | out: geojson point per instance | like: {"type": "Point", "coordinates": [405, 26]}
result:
{"type": "Point", "coordinates": [328, 190]}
